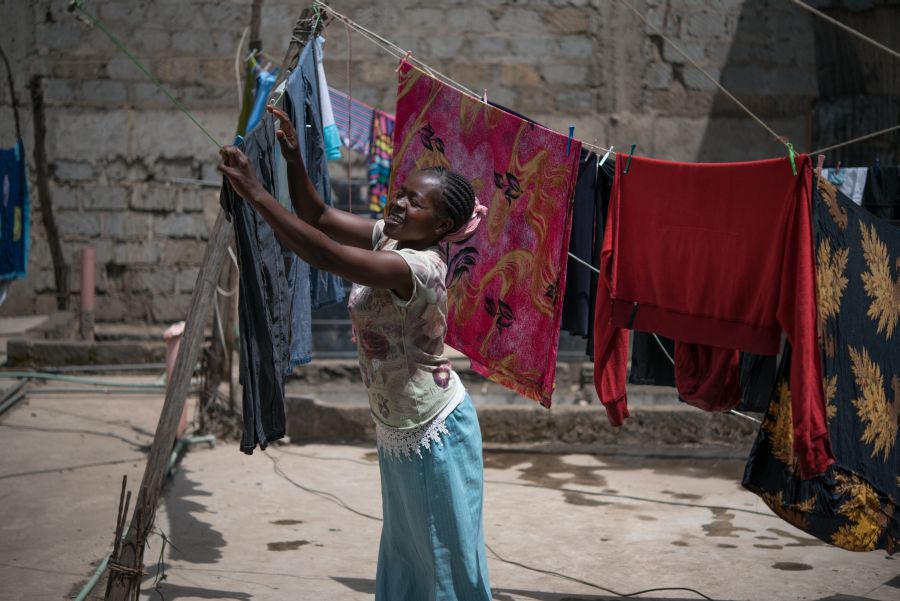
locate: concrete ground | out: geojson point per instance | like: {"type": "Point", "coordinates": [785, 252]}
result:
{"type": "Point", "coordinates": [302, 522]}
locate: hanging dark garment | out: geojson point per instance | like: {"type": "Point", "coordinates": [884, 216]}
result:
{"type": "Point", "coordinates": [577, 306]}
{"type": "Point", "coordinates": [591, 198]}
{"type": "Point", "coordinates": [651, 366]}
{"type": "Point", "coordinates": [881, 195]}
{"type": "Point", "coordinates": [264, 309]}
{"type": "Point", "coordinates": [853, 504]}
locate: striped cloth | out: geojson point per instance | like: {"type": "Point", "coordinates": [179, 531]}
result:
{"type": "Point", "coordinates": [353, 119]}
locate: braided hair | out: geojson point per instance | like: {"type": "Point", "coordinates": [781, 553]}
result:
{"type": "Point", "coordinates": [457, 195]}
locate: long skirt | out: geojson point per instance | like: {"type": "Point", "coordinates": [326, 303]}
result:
{"type": "Point", "coordinates": [432, 541]}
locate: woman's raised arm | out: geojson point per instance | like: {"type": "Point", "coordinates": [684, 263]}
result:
{"type": "Point", "coordinates": [361, 266]}
{"type": "Point", "coordinates": [343, 226]}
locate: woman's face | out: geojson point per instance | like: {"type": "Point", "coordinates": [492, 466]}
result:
{"type": "Point", "coordinates": [417, 213]}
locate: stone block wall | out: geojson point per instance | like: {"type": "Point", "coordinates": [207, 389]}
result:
{"type": "Point", "coordinates": [119, 151]}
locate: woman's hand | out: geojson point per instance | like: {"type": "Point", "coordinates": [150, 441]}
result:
{"type": "Point", "coordinates": [287, 136]}
{"type": "Point", "coordinates": [239, 172]}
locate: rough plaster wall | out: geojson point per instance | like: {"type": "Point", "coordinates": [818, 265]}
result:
{"type": "Point", "coordinates": [114, 141]}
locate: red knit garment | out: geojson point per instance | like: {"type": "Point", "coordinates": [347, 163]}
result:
{"type": "Point", "coordinates": [713, 254]}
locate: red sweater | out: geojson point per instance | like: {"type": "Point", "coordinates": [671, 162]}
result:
{"type": "Point", "coordinates": [719, 255]}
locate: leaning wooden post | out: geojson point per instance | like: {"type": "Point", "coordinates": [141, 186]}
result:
{"type": "Point", "coordinates": [122, 589]}
{"type": "Point", "coordinates": [199, 312]}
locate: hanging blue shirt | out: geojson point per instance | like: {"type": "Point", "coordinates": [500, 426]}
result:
{"type": "Point", "coordinates": [14, 212]}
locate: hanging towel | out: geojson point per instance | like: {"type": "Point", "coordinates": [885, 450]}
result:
{"type": "Point", "coordinates": [353, 119]}
{"type": "Point", "coordinates": [381, 153]}
{"type": "Point", "coordinates": [14, 213]}
{"type": "Point", "coordinates": [330, 129]}
{"type": "Point", "coordinates": [854, 504]}
{"type": "Point", "coordinates": [718, 255]}
{"type": "Point", "coordinates": [506, 282]}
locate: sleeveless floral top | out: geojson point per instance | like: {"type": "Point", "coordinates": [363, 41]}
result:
{"type": "Point", "coordinates": [401, 342]}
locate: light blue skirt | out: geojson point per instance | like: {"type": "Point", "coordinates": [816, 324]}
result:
{"type": "Point", "coordinates": [432, 541]}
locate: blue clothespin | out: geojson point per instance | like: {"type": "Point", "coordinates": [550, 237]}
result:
{"type": "Point", "coordinates": [631, 152]}
{"type": "Point", "coordinates": [569, 141]}
{"type": "Point", "coordinates": [238, 140]}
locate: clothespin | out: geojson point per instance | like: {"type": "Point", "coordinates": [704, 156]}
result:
{"type": "Point", "coordinates": [403, 60]}
{"type": "Point", "coordinates": [820, 160]}
{"type": "Point", "coordinates": [606, 156]}
{"type": "Point", "coordinates": [278, 92]}
{"type": "Point", "coordinates": [791, 153]}
{"type": "Point", "coordinates": [569, 141]}
{"type": "Point", "coordinates": [630, 153]}
{"type": "Point", "coordinates": [238, 140]}
{"type": "Point", "coordinates": [484, 96]}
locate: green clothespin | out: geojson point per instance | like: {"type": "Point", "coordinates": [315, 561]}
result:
{"type": "Point", "coordinates": [791, 153]}
{"type": "Point", "coordinates": [628, 163]}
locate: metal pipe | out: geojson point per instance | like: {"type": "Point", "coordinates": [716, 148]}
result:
{"type": "Point", "coordinates": [88, 285]}
{"type": "Point", "coordinates": [100, 368]}
{"type": "Point", "coordinates": [36, 375]}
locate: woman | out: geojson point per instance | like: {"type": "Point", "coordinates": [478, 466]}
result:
{"type": "Point", "coordinates": [429, 443]}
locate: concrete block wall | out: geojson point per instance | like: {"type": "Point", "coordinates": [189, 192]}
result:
{"type": "Point", "coordinates": [115, 142]}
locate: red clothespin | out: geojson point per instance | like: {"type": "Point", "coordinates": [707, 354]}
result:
{"type": "Point", "coordinates": [403, 60]}
{"type": "Point", "coordinates": [820, 160]}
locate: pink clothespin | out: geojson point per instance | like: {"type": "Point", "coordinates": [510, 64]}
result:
{"type": "Point", "coordinates": [819, 162]}
{"type": "Point", "coordinates": [403, 60]}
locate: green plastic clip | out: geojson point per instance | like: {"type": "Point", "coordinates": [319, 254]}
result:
{"type": "Point", "coordinates": [628, 162]}
{"type": "Point", "coordinates": [791, 154]}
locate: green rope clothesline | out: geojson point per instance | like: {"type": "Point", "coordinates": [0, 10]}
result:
{"type": "Point", "coordinates": [79, 5]}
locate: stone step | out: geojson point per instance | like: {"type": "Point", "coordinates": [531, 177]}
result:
{"type": "Point", "coordinates": [311, 420]}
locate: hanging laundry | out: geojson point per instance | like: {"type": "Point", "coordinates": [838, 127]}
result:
{"type": "Point", "coordinates": [588, 215]}
{"type": "Point", "coordinates": [718, 255]}
{"type": "Point", "coordinates": [330, 131]}
{"type": "Point", "coordinates": [381, 153]}
{"type": "Point", "coordinates": [506, 282]}
{"type": "Point", "coordinates": [14, 213]}
{"type": "Point", "coordinates": [265, 81]}
{"type": "Point", "coordinates": [882, 193]}
{"type": "Point", "coordinates": [303, 104]}
{"type": "Point", "coordinates": [650, 365]}
{"type": "Point", "coordinates": [264, 309]}
{"type": "Point", "coordinates": [311, 288]}
{"type": "Point", "coordinates": [853, 505]}
{"type": "Point", "coordinates": [851, 181]}
{"type": "Point", "coordinates": [353, 119]}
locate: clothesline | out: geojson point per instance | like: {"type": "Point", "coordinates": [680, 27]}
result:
{"type": "Point", "coordinates": [850, 30]}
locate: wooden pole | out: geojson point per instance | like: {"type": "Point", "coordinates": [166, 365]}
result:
{"type": "Point", "coordinates": [199, 312]}
{"type": "Point", "coordinates": [41, 172]}
{"type": "Point", "coordinates": [131, 552]}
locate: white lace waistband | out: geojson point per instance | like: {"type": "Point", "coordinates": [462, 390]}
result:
{"type": "Point", "coordinates": [396, 443]}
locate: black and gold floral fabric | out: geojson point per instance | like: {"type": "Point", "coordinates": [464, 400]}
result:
{"type": "Point", "coordinates": [853, 504]}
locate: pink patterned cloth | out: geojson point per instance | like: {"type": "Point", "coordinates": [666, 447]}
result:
{"type": "Point", "coordinates": [506, 282]}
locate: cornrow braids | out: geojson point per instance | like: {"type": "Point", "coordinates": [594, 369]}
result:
{"type": "Point", "coordinates": [457, 195]}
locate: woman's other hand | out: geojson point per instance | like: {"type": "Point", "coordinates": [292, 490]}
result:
{"type": "Point", "coordinates": [236, 167]}
{"type": "Point", "coordinates": [287, 135]}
